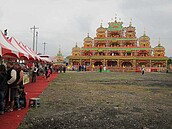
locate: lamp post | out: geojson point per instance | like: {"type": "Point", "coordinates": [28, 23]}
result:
{"type": "Point", "coordinates": [36, 42]}
{"type": "Point", "coordinates": [34, 28]}
{"type": "Point", "coordinates": [44, 47]}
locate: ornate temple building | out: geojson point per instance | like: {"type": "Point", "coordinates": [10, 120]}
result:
{"type": "Point", "coordinates": [118, 48]}
{"type": "Point", "coordinates": [59, 59]}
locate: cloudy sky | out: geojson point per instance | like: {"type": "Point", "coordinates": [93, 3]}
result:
{"type": "Point", "coordinates": [62, 23]}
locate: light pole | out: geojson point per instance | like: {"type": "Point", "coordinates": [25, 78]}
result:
{"type": "Point", "coordinates": [36, 41]}
{"type": "Point", "coordinates": [44, 47]}
{"type": "Point", "coordinates": [34, 28]}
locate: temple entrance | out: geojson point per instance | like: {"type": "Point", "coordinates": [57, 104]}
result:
{"type": "Point", "coordinates": [75, 63]}
{"type": "Point", "coordinates": [126, 64]}
{"type": "Point", "coordinates": [111, 63]}
{"type": "Point", "coordinates": [142, 64]}
{"type": "Point", "coordinates": [87, 63]}
{"type": "Point", "coordinates": [98, 63]}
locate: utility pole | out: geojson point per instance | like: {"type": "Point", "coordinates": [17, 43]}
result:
{"type": "Point", "coordinates": [34, 28]}
{"type": "Point", "coordinates": [44, 47]}
{"type": "Point", "coordinates": [36, 42]}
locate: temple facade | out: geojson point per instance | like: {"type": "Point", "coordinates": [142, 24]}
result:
{"type": "Point", "coordinates": [59, 59]}
{"type": "Point", "coordinates": [118, 48]}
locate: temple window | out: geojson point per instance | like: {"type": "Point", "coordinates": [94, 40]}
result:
{"type": "Point", "coordinates": [101, 53]}
{"type": "Point", "coordinates": [128, 54]}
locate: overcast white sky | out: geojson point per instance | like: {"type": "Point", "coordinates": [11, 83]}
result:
{"type": "Point", "coordinates": [65, 22]}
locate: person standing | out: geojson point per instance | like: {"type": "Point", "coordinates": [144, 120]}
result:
{"type": "Point", "coordinates": [48, 74]}
{"type": "Point", "coordinates": [104, 68]}
{"type": "Point", "coordinates": [3, 87]}
{"type": "Point", "coordinates": [34, 74]}
{"type": "Point", "coordinates": [93, 67]}
{"type": "Point", "coordinates": [101, 67]}
{"type": "Point", "coordinates": [64, 69]}
{"type": "Point", "coordinates": [20, 85]}
{"type": "Point", "coordinates": [45, 71]}
{"type": "Point", "coordinates": [12, 86]}
{"type": "Point", "coordinates": [61, 68]}
{"type": "Point", "coordinates": [143, 70]}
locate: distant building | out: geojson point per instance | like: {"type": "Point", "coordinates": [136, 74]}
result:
{"type": "Point", "coordinates": [59, 59]}
{"type": "Point", "coordinates": [46, 58]}
{"type": "Point", "coordinates": [118, 48]}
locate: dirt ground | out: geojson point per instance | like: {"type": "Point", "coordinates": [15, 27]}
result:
{"type": "Point", "coordinates": [115, 100]}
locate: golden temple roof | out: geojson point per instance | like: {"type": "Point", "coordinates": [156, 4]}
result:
{"type": "Point", "coordinates": [144, 37]}
{"type": "Point", "coordinates": [88, 38]}
{"type": "Point", "coordinates": [76, 48]}
{"type": "Point", "coordinates": [101, 29]}
{"type": "Point", "coordinates": [159, 46]}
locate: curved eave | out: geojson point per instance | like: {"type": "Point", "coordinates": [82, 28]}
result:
{"type": "Point", "coordinates": [113, 29]}
{"type": "Point", "coordinates": [115, 49]}
{"type": "Point", "coordinates": [114, 39]}
{"type": "Point", "coordinates": [10, 55]}
{"type": "Point", "coordinates": [118, 58]}
{"type": "Point", "coordinates": [59, 55]}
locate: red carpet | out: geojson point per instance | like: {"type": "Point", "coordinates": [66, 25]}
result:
{"type": "Point", "coordinates": [11, 120]}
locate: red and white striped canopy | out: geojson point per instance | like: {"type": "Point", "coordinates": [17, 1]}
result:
{"type": "Point", "coordinates": [23, 54]}
{"type": "Point", "coordinates": [11, 48]}
{"type": "Point", "coordinates": [37, 58]}
{"type": "Point", "coordinates": [6, 49]}
{"type": "Point", "coordinates": [31, 56]}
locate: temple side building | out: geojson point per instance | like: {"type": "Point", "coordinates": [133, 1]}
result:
{"type": "Point", "coordinates": [118, 48]}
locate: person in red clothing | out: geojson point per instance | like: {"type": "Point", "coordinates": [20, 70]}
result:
{"type": "Point", "coordinates": [101, 67]}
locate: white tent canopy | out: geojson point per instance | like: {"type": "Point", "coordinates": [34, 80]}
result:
{"type": "Point", "coordinates": [6, 49]}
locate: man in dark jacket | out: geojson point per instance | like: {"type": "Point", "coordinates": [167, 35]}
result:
{"type": "Point", "coordinates": [3, 87]}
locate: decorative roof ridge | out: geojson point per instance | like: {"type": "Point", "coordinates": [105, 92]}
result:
{"type": "Point", "coordinates": [59, 49]}
{"type": "Point", "coordinates": [88, 35]}
{"type": "Point", "coordinates": [144, 34]}
{"type": "Point", "coordinates": [76, 45]}
{"type": "Point", "coordinates": [130, 23]}
{"type": "Point", "coordinates": [159, 42]}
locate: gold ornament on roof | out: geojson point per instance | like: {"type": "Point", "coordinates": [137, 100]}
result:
{"type": "Point", "coordinates": [130, 21]}
{"type": "Point", "coordinates": [115, 16]}
{"type": "Point", "coordinates": [144, 31]}
{"type": "Point", "coordinates": [159, 42]}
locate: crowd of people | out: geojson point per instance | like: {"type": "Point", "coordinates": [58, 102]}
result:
{"type": "Point", "coordinates": [61, 68]}
{"type": "Point", "coordinates": [11, 86]}
{"type": "Point", "coordinates": [12, 93]}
